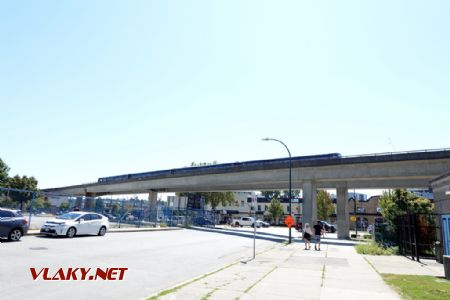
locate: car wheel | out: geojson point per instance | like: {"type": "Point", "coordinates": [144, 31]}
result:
{"type": "Point", "coordinates": [71, 232]}
{"type": "Point", "coordinates": [102, 231]}
{"type": "Point", "coordinates": [237, 224]}
{"type": "Point", "coordinates": [15, 235]}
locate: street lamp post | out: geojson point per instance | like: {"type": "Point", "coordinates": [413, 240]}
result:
{"type": "Point", "coordinates": [290, 180]}
{"type": "Point", "coordinates": [354, 213]}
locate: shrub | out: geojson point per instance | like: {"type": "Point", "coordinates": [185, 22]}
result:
{"type": "Point", "coordinates": [375, 249]}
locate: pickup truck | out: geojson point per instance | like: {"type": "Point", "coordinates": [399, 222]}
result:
{"type": "Point", "coordinates": [245, 221]}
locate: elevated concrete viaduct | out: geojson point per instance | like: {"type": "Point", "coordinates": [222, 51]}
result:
{"type": "Point", "coordinates": [389, 170]}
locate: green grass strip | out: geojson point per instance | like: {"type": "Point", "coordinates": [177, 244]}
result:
{"type": "Point", "coordinates": [323, 275]}
{"type": "Point", "coordinates": [324, 267]}
{"type": "Point", "coordinates": [206, 297]}
{"type": "Point", "coordinates": [419, 287]}
{"type": "Point", "coordinates": [176, 288]}
{"type": "Point", "coordinates": [258, 281]}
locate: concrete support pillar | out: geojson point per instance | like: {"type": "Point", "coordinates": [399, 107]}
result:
{"type": "Point", "coordinates": [153, 205]}
{"type": "Point", "coordinates": [309, 203]}
{"type": "Point", "coordinates": [78, 203]}
{"type": "Point", "coordinates": [89, 202]}
{"type": "Point", "coordinates": [153, 196]}
{"type": "Point", "coordinates": [343, 223]}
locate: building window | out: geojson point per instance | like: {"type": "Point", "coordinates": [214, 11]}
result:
{"type": "Point", "coordinates": [265, 207]}
{"type": "Point", "coordinates": [242, 203]}
{"type": "Point", "coordinates": [259, 207]}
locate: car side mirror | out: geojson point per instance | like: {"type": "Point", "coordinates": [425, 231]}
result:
{"type": "Point", "coordinates": [80, 220]}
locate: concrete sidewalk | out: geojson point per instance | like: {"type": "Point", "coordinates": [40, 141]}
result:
{"type": "Point", "coordinates": [290, 272]}
{"type": "Point", "coordinates": [405, 266]}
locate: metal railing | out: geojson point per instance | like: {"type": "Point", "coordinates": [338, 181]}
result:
{"type": "Point", "coordinates": [396, 153]}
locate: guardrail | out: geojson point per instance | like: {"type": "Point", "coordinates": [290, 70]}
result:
{"type": "Point", "coordinates": [399, 152]}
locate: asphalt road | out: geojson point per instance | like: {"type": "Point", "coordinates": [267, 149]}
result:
{"type": "Point", "coordinates": [155, 261]}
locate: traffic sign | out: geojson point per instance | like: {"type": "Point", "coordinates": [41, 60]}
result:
{"type": "Point", "coordinates": [289, 221]}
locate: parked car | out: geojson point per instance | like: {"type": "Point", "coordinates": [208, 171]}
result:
{"type": "Point", "coordinates": [76, 223]}
{"type": "Point", "coordinates": [201, 221]}
{"type": "Point", "coordinates": [128, 217]}
{"type": "Point", "coordinates": [179, 220]}
{"type": "Point", "coordinates": [328, 227]}
{"type": "Point", "coordinates": [110, 217]}
{"type": "Point", "coordinates": [260, 223]}
{"type": "Point", "coordinates": [12, 224]}
{"type": "Point", "coordinates": [244, 221]}
{"type": "Point", "coordinates": [299, 226]}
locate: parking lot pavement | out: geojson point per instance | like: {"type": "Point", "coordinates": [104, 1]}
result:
{"type": "Point", "coordinates": [154, 261]}
{"type": "Point", "coordinates": [290, 272]}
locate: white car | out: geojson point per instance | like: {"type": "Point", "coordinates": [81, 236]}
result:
{"type": "Point", "coordinates": [245, 221]}
{"type": "Point", "coordinates": [76, 223]}
{"type": "Point", "coordinates": [261, 223]}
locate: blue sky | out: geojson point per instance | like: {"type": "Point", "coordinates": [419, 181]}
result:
{"type": "Point", "coordinates": [98, 88]}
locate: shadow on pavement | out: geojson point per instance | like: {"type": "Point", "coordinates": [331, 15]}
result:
{"type": "Point", "coordinates": [267, 237]}
{"type": "Point", "coordinates": [336, 242]}
{"type": "Point", "coordinates": [251, 232]}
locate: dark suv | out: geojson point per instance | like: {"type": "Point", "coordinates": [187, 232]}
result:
{"type": "Point", "coordinates": [328, 227]}
{"type": "Point", "coordinates": [12, 224]}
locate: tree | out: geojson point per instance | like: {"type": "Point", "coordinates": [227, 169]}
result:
{"type": "Point", "coordinates": [200, 164]}
{"type": "Point", "coordinates": [5, 200]}
{"type": "Point", "coordinates": [216, 198]}
{"type": "Point", "coordinates": [398, 202]}
{"type": "Point", "coordinates": [4, 169]}
{"type": "Point", "coordinates": [40, 203]}
{"type": "Point", "coordinates": [271, 194]}
{"type": "Point", "coordinates": [325, 206]}
{"type": "Point", "coordinates": [22, 183]}
{"type": "Point", "coordinates": [99, 205]}
{"type": "Point", "coordinates": [275, 210]}
{"type": "Point", "coordinates": [64, 206]}
{"type": "Point", "coordinates": [115, 208]}
{"type": "Point", "coordinates": [295, 193]}
{"type": "Point", "coordinates": [212, 198]}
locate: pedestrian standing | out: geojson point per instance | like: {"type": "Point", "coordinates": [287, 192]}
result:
{"type": "Point", "coordinates": [307, 234]}
{"type": "Point", "coordinates": [318, 230]}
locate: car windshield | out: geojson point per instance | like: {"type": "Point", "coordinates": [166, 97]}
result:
{"type": "Point", "coordinates": [69, 216]}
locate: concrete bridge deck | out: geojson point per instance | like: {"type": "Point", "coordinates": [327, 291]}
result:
{"type": "Point", "coordinates": [392, 170]}
{"type": "Point", "coordinates": [385, 170]}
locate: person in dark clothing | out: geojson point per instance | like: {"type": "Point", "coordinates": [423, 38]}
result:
{"type": "Point", "coordinates": [318, 230]}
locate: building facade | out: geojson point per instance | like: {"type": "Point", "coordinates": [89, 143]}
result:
{"type": "Point", "coordinates": [242, 206]}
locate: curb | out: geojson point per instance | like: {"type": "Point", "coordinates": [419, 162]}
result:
{"type": "Point", "coordinates": [114, 230]}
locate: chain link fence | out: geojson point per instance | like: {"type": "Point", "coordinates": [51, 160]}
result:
{"type": "Point", "coordinates": [38, 207]}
